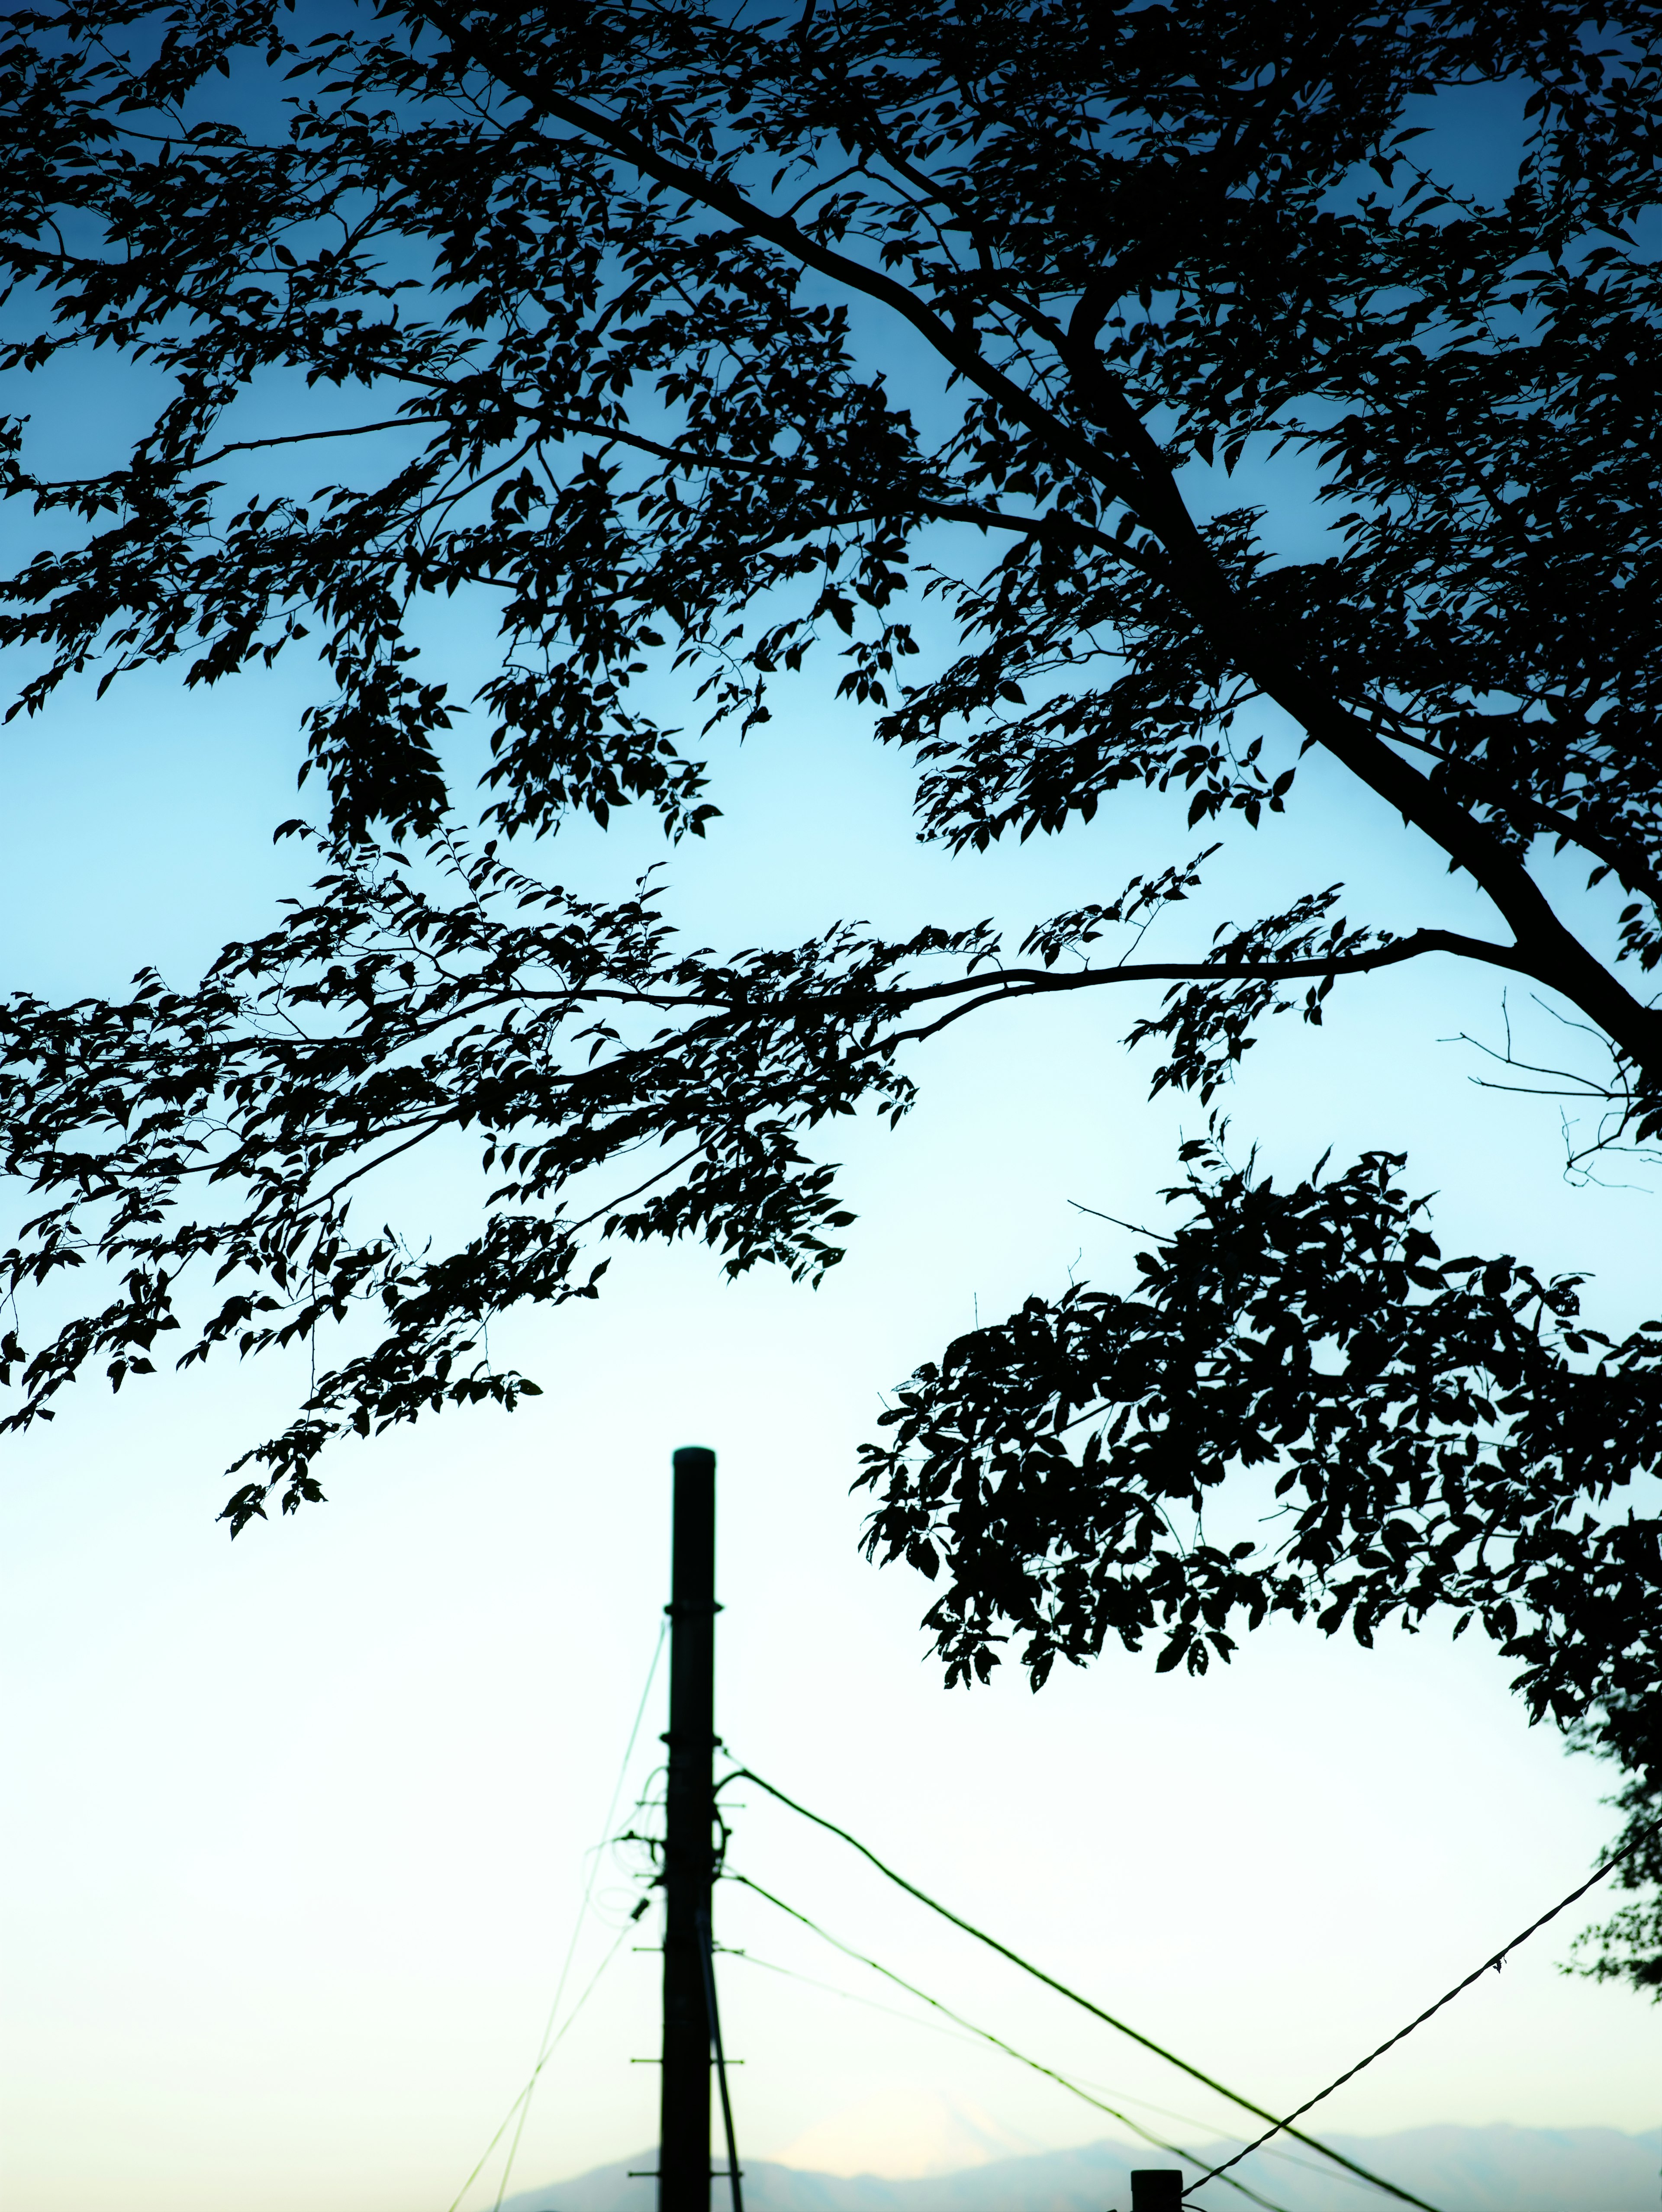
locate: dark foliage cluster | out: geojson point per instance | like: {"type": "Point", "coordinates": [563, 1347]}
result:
{"type": "Point", "coordinates": [1441, 1433]}
{"type": "Point", "coordinates": [225, 1131]}
{"type": "Point", "coordinates": [579, 301]}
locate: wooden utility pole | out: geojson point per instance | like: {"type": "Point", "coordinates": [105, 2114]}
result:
{"type": "Point", "coordinates": [683, 2173]}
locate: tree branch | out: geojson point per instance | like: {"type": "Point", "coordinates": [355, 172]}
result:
{"type": "Point", "coordinates": [1036, 982]}
{"type": "Point", "coordinates": [714, 193]}
{"type": "Point", "coordinates": [1137, 475]}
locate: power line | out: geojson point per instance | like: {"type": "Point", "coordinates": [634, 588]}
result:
{"type": "Point", "coordinates": [524, 2096]}
{"type": "Point", "coordinates": [749, 1958]}
{"type": "Point", "coordinates": [848, 1996]}
{"type": "Point", "coordinates": [1448, 1998]}
{"type": "Point", "coordinates": [998, 2043]}
{"type": "Point", "coordinates": [1390, 2188]}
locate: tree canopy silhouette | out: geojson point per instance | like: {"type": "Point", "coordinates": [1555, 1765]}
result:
{"type": "Point", "coordinates": [590, 304]}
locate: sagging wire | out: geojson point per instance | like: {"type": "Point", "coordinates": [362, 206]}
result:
{"type": "Point", "coordinates": [848, 1996]}
{"type": "Point", "coordinates": [1311, 2142]}
{"type": "Point", "coordinates": [986, 2035]}
{"type": "Point", "coordinates": [524, 2097]}
{"type": "Point", "coordinates": [550, 2041]}
{"type": "Point", "coordinates": [595, 1857]}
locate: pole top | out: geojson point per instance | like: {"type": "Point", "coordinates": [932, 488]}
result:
{"type": "Point", "coordinates": [695, 1460]}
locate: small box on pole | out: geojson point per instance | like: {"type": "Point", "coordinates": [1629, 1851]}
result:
{"type": "Point", "coordinates": [1157, 2189]}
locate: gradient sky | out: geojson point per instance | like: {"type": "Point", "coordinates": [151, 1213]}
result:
{"type": "Point", "coordinates": [301, 1825]}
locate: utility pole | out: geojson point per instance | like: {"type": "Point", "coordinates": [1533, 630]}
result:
{"type": "Point", "coordinates": [684, 2174]}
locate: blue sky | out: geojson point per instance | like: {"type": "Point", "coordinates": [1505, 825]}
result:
{"type": "Point", "coordinates": [301, 1823]}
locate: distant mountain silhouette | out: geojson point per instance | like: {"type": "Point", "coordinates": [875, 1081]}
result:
{"type": "Point", "coordinates": [1457, 2169]}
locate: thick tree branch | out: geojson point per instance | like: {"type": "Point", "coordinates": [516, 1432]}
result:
{"type": "Point", "coordinates": [1036, 982]}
